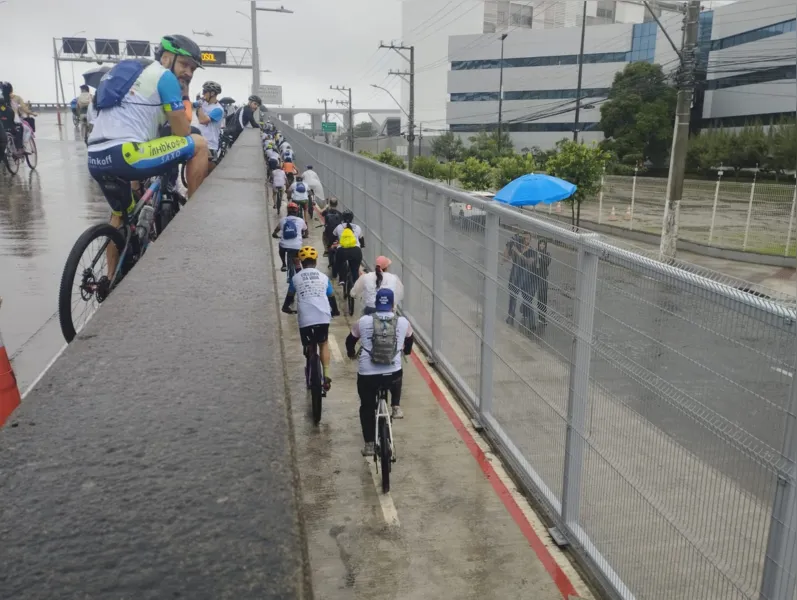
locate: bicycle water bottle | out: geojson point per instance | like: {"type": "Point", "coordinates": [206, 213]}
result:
{"type": "Point", "coordinates": [145, 218]}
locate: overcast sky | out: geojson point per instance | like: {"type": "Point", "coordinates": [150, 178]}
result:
{"type": "Point", "coordinates": [325, 42]}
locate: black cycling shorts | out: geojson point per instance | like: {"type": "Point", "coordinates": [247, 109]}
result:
{"type": "Point", "coordinates": [317, 334]}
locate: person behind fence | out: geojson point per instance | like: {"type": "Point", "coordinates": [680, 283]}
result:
{"type": "Point", "coordinates": [541, 267]}
{"type": "Point", "coordinates": [383, 336]}
{"type": "Point", "coordinates": [522, 254]}
{"type": "Point", "coordinates": [369, 284]}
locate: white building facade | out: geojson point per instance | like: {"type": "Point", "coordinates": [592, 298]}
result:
{"type": "Point", "coordinates": [428, 24]}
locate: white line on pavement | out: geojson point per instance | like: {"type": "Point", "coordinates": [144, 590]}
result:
{"type": "Point", "coordinates": [782, 371]}
{"type": "Point", "coordinates": [334, 349]}
{"type": "Point", "coordinates": [385, 500]}
{"type": "Point", "coordinates": [44, 372]}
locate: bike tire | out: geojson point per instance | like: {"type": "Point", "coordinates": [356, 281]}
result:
{"type": "Point", "coordinates": [11, 163]}
{"type": "Point", "coordinates": [70, 271]}
{"type": "Point", "coordinates": [347, 292]}
{"type": "Point", "coordinates": [316, 388]}
{"type": "Point", "coordinates": [182, 176]}
{"type": "Point", "coordinates": [384, 455]}
{"type": "Point", "coordinates": [164, 216]}
{"type": "Point", "coordinates": [32, 156]}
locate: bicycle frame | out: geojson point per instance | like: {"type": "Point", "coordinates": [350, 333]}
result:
{"type": "Point", "coordinates": [153, 197]}
{"type": "Point", "coordinates": [383, 412]}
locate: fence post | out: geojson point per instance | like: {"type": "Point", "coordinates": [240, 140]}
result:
{"type": "Point", "coordinates": [791, 217]}
{"type": "Point", "coordinates": [578, 397]}
{"type": "Point", "coordinates": [779, 580]}
{"type": "Point", "coordinates": [406, 244]}
{"type": "Point", "coordinates": [714, 209]}
{"type": "Point", "coordinates": [491, 232]}
{"type": "Point", "coordinates": [384, 193]}
{"type": "Point", "coordinates": [633, 198]}
{"type": "Point", "coordinates": [437, 274]}
{"type": "Point", "coordinates": [600, 196]}
{"type": "Point", "coordinates": [750, 210]}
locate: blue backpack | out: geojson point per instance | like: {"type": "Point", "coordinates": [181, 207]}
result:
{"type": "Point", "coordinates": [117, 82]}
{"type": "Point", "coordinates": [289, 230]}
{"type": "Point", "coordinates": [300, 188]}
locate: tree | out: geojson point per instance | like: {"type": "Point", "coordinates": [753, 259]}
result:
{"type": "Point", "coordinates": [364, 129]}
{"type": "Point", "coordinates": [391, 158]}
{"type": "Point", "coordinates": [582, 165]}
{"type": "Point", "coordinates": [784, 147]}
{"type": "Point", "coordinates": [638, 116]}
{"type": "Point", "coordinates": [709, 150]}
{"type": "Point", "coordinates": [512, 167]}
{"type": "Point", "coordinates": [474, 174]}
{"type": "Point", "coordinates": [750, 148]}
{"type": "Point", "coordinates": [425, 166]}
{"type": "Point", "coordinates": [448, 147]}
{"type": "Point", "coordinates": [484, 146]}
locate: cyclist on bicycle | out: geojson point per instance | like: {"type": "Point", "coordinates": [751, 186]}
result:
{"type": "Point", "coordinates": [299, 192]}
{"type": "Point", "coordinates": [290, 230]}
{"type": "Point", "coordinates": [348, 254]}
{"type": "Point", "coordinates": [124, 145]}
{"type": "Point", "coordinates": [210, 115]}
{"type": "Point", "coordinates": [278, 182]}
{"type": "Point", "coordinates": [383, 336]}
{"type": "Point", "coordinates": [241, 118]}
{"type": "Point", "coordinates": [83, 102]}
{"type": "Point", "coordinates": [290, 171]}
{"type": "Point", "coordinates": [311, 179]}
{"type": "Point", "coordinates": [9, 119]}
{"type": "Point", "coordinates": [332, 218]}
{"type": "Point", "coordinates": [369, 284]}
{"type": "Point", "coordinates": [315, 308]}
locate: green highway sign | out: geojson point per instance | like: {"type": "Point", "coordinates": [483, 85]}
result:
{"type": "Point", "coordinates": [329, 127]}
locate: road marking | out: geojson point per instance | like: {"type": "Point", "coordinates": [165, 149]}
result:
{"type": "Point", "coordinates": [334, 349]}
{"type": "Point", "coordinates": [385, 500]}
{"type": "Point", "coordinates": [782, 371]}
{"type": "Point", "coordinates": [44, 371]}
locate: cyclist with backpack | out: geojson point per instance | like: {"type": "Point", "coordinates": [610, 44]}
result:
{"type": "Point", "coordinates": [290, 231]}
{"type": "Point", "coordinates": [349, 254]}
{"type": "Point", "coordinates": [133, 100]}
{"type": "Point", "coordinates": [299, 192]}
{"type": "Point", "coordinates": [332, 217]}
{"type": "Point", "coordinates": [315, 308]}
{"type": "Point", "coordinates": [383, 337]}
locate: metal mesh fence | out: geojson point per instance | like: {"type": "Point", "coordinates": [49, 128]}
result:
{"type": "Point", "coordinates": [644, 404]}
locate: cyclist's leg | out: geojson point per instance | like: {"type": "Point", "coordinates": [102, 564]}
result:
{"type": "Point", "coordinates": [197, 166]}
{"type": "Point", "coordinates": [17, 133]}
{"type": "Point", "coordinates": [283, 252]}
{"type": "Point", "coordinates": [367, 386]}
{"type": "Point", "coordinates": [212, 160]}
{"type": "Point", "coordinates": [341, 263]}
{"type": "Point", "coordinates": [395, 387]}
{"type": "Point", "coordinates": [321, 333]}
{"type": "Point", "coordinates": [355, 260]}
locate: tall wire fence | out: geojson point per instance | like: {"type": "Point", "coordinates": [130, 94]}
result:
{"type": "Point", "coordinates": [648, 408]}
{"type": "Point", "coordinates": [749, 216]}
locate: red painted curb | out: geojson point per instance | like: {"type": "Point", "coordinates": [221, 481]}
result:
{"type": "Point", "coordinates": [560, 579]}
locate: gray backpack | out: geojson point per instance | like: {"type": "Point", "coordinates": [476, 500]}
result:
{"type": "Point", "coordinates": [384, 345]}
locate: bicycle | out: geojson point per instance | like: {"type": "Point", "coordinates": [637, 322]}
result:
{"type": "Point", "coordinates": [347, 287]}
{"type": "Point", "coordinates": [144, 224]}
{"type": "Point", "coordinates": [11, 159]}
{"type": "Point", "coordinates": [384, 449]}
{"type": "Point", "coordinates": [278, 201]}
{"type": "Point", "coordinates": [29, 145]}
{"type": "Point", "coordinates": [314, 378]}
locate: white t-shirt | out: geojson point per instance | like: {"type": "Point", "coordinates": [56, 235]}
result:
{"type": "Point", "coordinates": [364, 330]}
{"type": "Point", "coordinates": [358, 233]}
{"type": "Point", "coordinates": [296, 242]}
{"type": "Point", "coordinates": [297, 195]}
{"type": "Point", "coordinates": [365, 286]}
{"type": "Point", "coordinates": [312, 289]}
{"type": "Point", "coordinates": [212, 131]}
{"type": "Point", "coordinates": [280, 178]}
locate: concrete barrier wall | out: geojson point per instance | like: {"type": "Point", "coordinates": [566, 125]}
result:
{"type": "Point", "coordinates": [154, 460]}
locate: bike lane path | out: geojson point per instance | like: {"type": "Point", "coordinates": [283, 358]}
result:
{"type": "Point", "coordinates": [454, 524]}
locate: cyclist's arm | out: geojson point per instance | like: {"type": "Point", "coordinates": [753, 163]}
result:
{"type": "Point", "coordinates": [305, 231]}
{"type": "Point", "coordinates": [409, 340]}
{"type": "Point", "coordinates": [352, 339]}
{"type": "Point", "coordinates": [358, 287]}
{"type": "Point", "coordinates": [172, 102]}
{"type": "Point", "coordinates": [276, 231]}
{"type": "Point", "coordinates": [214, 116]}
{"type": "Point", "coordinates": [251, 120]}
{"type": "Point", "coordinates": [333, 303]}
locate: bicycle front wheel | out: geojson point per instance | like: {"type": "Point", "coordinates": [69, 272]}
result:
{"type": "Point", "coordinates": [31, 154]}
{"type": "Point", "coordinates": [85, 282]}
{"type": "Point", "coordinates": [10, 159]}
{"type": "Point", "coordinates": [384, 454]}
{"type": "Point", "coordinates": [316, 388]}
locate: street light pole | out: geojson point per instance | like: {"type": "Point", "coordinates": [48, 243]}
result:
{"type": "Point", "coordinates": [580, 72]}
{"type": "Point", "coordinates": [253, 8]}
{"type": "Point", "coordinates": [501, 93]}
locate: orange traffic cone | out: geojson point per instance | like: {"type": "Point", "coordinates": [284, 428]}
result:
{"type": "Point", "coordinates": [9, 392]}
{"type": "Point", "coordinates": [628, 214]}
{"type": "Point", "coordinates": [613, 215]}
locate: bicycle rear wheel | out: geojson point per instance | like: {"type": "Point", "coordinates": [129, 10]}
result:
{"type": "Point", "coordinates": [349, 297]}
{"type": "Point", "coordinates": [85, 282]}
{"type": "Point", "coordinates": [31, 154]}
{"type": "Point", "coordinates": [316, 387]}
{"type": "Point", "coordinates": [9, 158]}
{"type": "Point", "coordinates": [384, 454]}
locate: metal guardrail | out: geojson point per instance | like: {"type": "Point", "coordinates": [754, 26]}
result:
{"type": "Point", "coordinates": [653, 415]}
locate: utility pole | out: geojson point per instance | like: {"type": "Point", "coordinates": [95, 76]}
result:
{"type": "Point", "coordinates": [410, 78]}
{"type": "Point", "coordinates": [501, 94]}
{"type": "Point", "coordinates": [680, 139]}
{"type": "Point", "coordinates": [580, 72]}
{"type": "Point", "coordinates": [253, 7]}
{"type": "Point", "coordinates": [326, 117]}
{"type": "Point", "coordinates": [346, 90]}
{"type": "Point", "coordinates": [420, 139]}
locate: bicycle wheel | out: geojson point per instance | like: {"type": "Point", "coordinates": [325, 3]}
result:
{"type": "Point", "coordinates": [32, 155]}
{"type": "Point", "coordinates": [9, 159]}
{"type": "Point", "coordinates": [384, 454]}
{"type": "Point", "coordinates": [316, 386]}
{"type": "Point", "coordinates": [279, 200]}
{"type": "Point", "coordinates": [182, 176]}
{"type": "Point", "coordinates": [165, 214]}
{"type": "Point", "coordinates": [85, 281]}
{"type": "Point", "coordinates": [349, 297]}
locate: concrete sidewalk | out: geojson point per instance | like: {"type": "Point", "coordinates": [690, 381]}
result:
{"type": "Point", "coordinates": [453, 526]}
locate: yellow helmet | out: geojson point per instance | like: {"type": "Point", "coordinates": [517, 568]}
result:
{"type": "Point", "coordinates": [308, 253]}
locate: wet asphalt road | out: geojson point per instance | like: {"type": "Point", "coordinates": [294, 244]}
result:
{"type": "Point", "coordinates": [42, 213]}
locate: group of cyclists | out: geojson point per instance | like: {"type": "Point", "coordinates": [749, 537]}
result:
{"type": "Point", "coordinates": [382, 334]}
{"type": "Point", "coordinates": [13, 112]}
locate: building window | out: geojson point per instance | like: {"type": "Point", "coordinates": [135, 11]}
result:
{"type": "Point", "coordinates": [754, 35]}
{"type": "Point", "coordinates": [475, 96]}
{"type": "Point", "coordinates": [568, 94]}
{"type": "Point", "coordinates": [539, 61]}
{"type": "Point", "coordinates": [643, 42]}
{"type": "Point", "coordinates": [522, 127]}
{"type": "Point", "coordinates": [742, 120]}
{"type": "Point", "coordinates": [520, 15]}
{"type": "Point", "coordinates": [763, 76]}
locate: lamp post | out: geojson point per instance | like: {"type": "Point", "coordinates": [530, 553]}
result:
{"type": "Point", "coordinates": [253, 8]}
{"type": "Point", "coordinates": [501, 93]}
{"type": "Point", "coordinates": [379, 87]}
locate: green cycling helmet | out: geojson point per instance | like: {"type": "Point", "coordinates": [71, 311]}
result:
{"type": "Point", "coordinates": [182, 46]}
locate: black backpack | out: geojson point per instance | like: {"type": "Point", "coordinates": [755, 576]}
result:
{"type": "Point", "coordinates": [332, 218]}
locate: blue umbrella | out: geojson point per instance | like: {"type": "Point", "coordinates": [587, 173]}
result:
{"type": "Point", "coordinates": [533, 189]}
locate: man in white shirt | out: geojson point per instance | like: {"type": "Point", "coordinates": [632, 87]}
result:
{"type": "Point", "coordinates": [315, 308]}
{"type": "Point", "coordinates": [278, 182]}
{"type": "Point", "coordinates": [300, 193]}
{"type": "Point", "coordinates": [383, 337]}
{"type": "Point", "coordinates": [210, 115]}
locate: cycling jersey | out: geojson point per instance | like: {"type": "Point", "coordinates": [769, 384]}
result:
{"type": "Point", "coordinates": [297, 223]}
{"type": "Point", "coordinates": [242, 117]}
{"type": "Point", "coordinates": [279, 179]}
{"type": "Point", "coordinates": [366, 286]}
{"type": "Point", "coordinates": [271, 154]}
{"type": "Point", "coordinates": [364, 331]}
{"type": "Point", "coordinates": [137, 118]}
{"type": "Point", "coordinates": [312, 289]}
{"type": "Point", "coordinates": [358, 233]}
{"type": "Point", "coordinates": [212, 131]}
{"type": "Point", "coordinates": [289, 167]}
{"type": "Point", "coordinates": [298, 196]}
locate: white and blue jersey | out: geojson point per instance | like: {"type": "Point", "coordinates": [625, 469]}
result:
{"type": "Point", "coordinates": [212, 131]}
{"type": "Point", "coordinates": [140, 114]}
{"type": "Point", "coordinates": [312, 289]}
